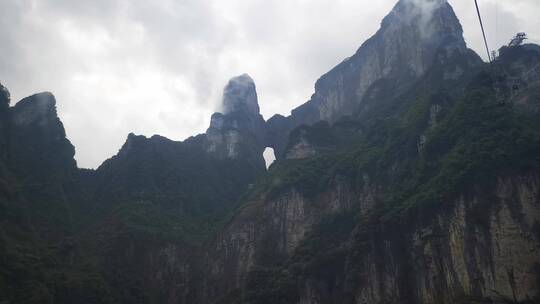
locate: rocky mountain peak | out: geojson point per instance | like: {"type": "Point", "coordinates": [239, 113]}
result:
{"type": "Point", "coordinates": [240, 126]}
{"type": "Point", "coordinates": [410, 37]}
{"type": "Point", "coordinates": [240, 95]}
{"type": "Point", "coordinates": [38, 140]}
{"type": "Point", "coordinates": [240, 106]}
{"type": "Point", "coordinates": [137, 143]}
{"type": "Point", "coordinates": [4, 97]}
{"type": "Point", "coordinates": [217, 121]}
{"type": "Point", "coordinates": [132, 142]}
{"type": "Point", "coordinates": [432, 23]}
{"type": "Point", "coordinates": [39, 108]}
{"type": "Point", "coordinates": [411, 40]}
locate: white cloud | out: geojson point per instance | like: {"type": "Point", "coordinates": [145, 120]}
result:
{"type": "Point", "coordinates": [158, 67]}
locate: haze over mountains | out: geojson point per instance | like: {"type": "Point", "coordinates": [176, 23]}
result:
{"type": "Point", "coordinates": [412, 175]}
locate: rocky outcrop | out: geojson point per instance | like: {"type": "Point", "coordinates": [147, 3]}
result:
{"type": "Point", "coordinates": [37, 109]}
{"type": "Point", "coordinates": [301, 149]}
{"type": "Point", "coordinates": [518, 77]}
{"type": "Point", "coordinates": [238, 132]}
{"type": "Point", "coordinates": [240, 95]}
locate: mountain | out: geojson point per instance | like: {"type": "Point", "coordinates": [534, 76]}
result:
{"type": "Point", "coordinates": [431, 197]}
{"type": "Point", "coordinates": [136, 221]}
{"type": "Point", "coordinates": [157, 200]}
{"type": "Point", "coordinates": [402, 50]}
{"type": "Point", "coordinates": [38, 182]}
{"type": "Point", "coordinates": [410, 176]}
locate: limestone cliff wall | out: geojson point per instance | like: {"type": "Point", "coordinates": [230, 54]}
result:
{"type": "Point", "coordinates": [268, 231]}
{"type": "Point", "coordinates": [481, 245]}
{"type": "Point", "coordinates": [485, 245]}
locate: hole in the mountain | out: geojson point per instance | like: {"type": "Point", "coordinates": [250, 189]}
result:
{"type": "Point", "coordinates": [269, 156]}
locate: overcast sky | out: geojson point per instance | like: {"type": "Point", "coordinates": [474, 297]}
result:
{"type": "Point", "coordinates": [158, 67]}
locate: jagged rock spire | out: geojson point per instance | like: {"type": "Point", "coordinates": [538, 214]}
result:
{"type": "Point", "coordinates": [240, 94]}
{"type": "Point", "coordinates": [240, 107]}
{"type": "Point", "coordinates": [239, 130]}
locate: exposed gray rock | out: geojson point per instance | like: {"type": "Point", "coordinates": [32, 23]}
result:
{"type": "Point", "coordinates": [301, 149]}
{"type": "Point", "coordinates": [458, 254]}
{"type": "Point", "coordinates": [240, 95]}
{"type": "Point", "coordinates": [238, 132]}
{"type": "Point", "coordinates": [267, 231]}
{"type": "Point", "coordinates": [434, 111]}
{"type": "Point", "coordinates": [217, 121]}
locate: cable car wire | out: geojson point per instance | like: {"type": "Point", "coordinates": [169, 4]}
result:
{"type": "Point", "coordinates": [483, 31]}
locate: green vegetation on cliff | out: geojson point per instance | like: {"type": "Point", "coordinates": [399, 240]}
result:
{"type": "Point", "coordinates": [427, 147]}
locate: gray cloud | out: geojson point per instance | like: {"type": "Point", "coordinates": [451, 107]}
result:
{"type": "Point", "coordinates": [158, 67]}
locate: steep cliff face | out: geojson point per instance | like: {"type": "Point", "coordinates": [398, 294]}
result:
{"type": "Point", "coordinates": [268, 231]}
{"type": "Point", "coordinates": [479, 247]}
{"type": "Point", "coordinates": [483, 246]}
{"type": "Point", "coordinates": [37, 185]}
{"type": "Point", "coordinates": [38, 140]}
{"type": "Point", "coordinates": [41, 159]}
{"type": "Point", "coordinates": [405, 47]}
